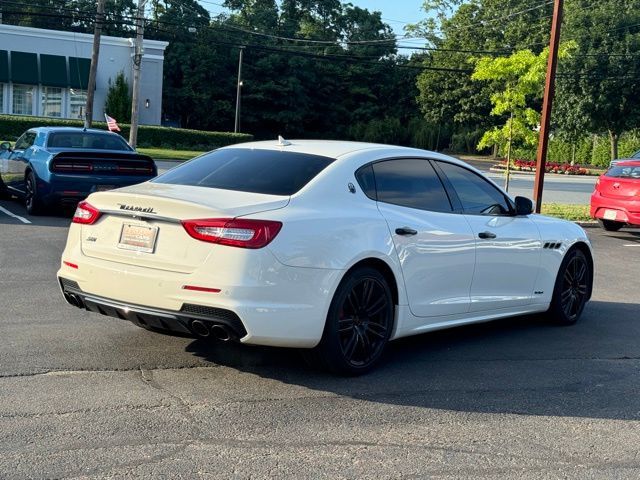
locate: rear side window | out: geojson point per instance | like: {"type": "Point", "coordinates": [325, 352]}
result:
{"type": "Point", "coordinates": [271, 172]}
{"type": "Point", "coordinates": [619, 171]}
{"type": "Point", "coordinates": [410, 183]}
{"type": "Point", "coordinates": [477, 195]}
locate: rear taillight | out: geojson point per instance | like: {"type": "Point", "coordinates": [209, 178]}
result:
{"type": "Point", "coordinates": [69, 167]}
{"type": "Point", "coordinates": [129, 169]}
{"type": "Point", "coordinates": [86, 214]}
{"type": "Point", "coordinates": [234, 232]}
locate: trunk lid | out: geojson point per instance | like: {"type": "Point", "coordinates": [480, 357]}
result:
{"type": "Point", "coordinates": [152, 212]}
{"type": "Point", "coordinates": [619, 187]}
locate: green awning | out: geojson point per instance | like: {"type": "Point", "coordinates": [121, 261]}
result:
{"type": "Point", "coordinates": [53, 71]}
{"type": "Point", "coordinates": [79, 72]}
{"type": "Point", "coordinates": [4, 66]}
{"type": "Point", "coordinates": [24, 68]}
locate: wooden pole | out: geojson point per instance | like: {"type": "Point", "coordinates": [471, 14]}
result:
{"type": "Point", "coordinates": [506, 183]}
{"type": "Point", "coordinates": [547, 104]}
{"type": "Point", "coordinates": [93, 70]}
{"type": "Point", "coordinates": [137, 63]}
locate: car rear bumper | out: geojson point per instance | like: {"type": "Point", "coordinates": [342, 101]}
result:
{"type": "Point", "coordinates": [69, 189]}
{"type": "Point", "coordinates": [626, 211]}
{"type": "Point", "coordinates": [274, 304]}
{"type": "Point", "coordinates": [192, 320]}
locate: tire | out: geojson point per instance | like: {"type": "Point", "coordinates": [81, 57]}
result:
{"type": "Point", "coordinates": [610, 225]}
{"type": "Point", "coordinates": [358, 326]}
{"type": "Point", "coordinates": [32, 199]}
{"type": "Point", "coordinates": [572, 288]}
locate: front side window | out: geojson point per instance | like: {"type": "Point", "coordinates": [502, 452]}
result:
{"type": "Point", "coordinates": [271, 172]}
{"type": "Point", "coordinates": [51, 102]}
{"type": "Point", "coordinates": [23, 99]}
{"type": "Point", "coordinates": [77, 101]}
{"type": "Point", "coordinates": [477, 195]}
{"type": "Point", "coordinates": [25, 141]}
{"type": "Point", "coordinates": [410, 183]}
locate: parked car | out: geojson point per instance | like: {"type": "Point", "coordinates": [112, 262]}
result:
{"type": "Point", "coordinates": [615, 202]}
{"type": "Point", "coordinates": [53, 165]}
{"type": "Point", "coordinates": [333, 247]}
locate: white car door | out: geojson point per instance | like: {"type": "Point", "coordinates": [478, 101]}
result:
{"type": "Point", "coordinates": [435, 246]}
{"type": "Point", "coordinates": [508, 247]}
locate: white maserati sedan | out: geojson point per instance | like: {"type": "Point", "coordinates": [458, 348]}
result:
{"type": "Point", "coordinates": [333, 247]}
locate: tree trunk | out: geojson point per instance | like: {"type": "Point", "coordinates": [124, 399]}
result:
{"type": "Point", "coordinates": [614, 137]}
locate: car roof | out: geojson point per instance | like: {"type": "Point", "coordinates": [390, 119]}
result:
{"type": "Point", "coordinates": [627, 163]}
{"type": "Point", "coordinates": [329, 148]}
{"type": "Point", "coordinates": [69, 130]}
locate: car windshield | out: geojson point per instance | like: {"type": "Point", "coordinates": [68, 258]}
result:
{"type": "Point", "coordinates": [271, 172]}
{"type": "Point", "coordinates": [91, 140]}
{"type": "Point", "coordinates": [624, 171]}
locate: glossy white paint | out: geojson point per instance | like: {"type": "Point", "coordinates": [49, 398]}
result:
{"type": "Point", "coordinates": [445, 275]}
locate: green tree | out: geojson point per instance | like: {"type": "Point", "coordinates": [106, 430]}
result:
{"type": "Point", "coordinates": [118, 101]}
{"type": "Point", "coordinates": [598, 88]}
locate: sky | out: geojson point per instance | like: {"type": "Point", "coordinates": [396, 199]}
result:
{"type": "Point", "coordinates": [397, 13]}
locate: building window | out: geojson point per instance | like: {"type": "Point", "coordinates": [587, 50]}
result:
{"type": "Point", "coordinates": [51, 102]}
{"type": "Point", "coordinates": [23, 99]}
{"type": "Point", "coordinates": [1, 97]}
{"type": "Point", "coordinates": [77, 102]}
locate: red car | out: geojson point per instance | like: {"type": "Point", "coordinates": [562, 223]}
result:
{"type": "Point", "coordinates": [615, 202]}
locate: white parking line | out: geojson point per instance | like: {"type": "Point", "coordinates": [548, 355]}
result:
{"type": "Point", "coordinates": [632, 245]}
{"type": "Point", "coordinates": [11, 214]}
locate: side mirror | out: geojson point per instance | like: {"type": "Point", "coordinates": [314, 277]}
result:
{"type": "Point", "coordinates": [4, 146]}
{"type": "Point", "coordinates": [524, 206]}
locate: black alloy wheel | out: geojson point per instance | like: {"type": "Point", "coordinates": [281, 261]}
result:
{"type": "Point", "coordinates": [358, 326]}
{"type": "Point", "coordinates": [610, 225]}
{"type": "Point", "coordinates": [32, 200]}
{"type": "Point", "coordinates": [572, 288]}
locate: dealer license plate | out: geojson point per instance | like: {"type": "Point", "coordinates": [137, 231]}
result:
{"type": "Point", "coordinates": [139, 238]}
{"type": "Point", "coordinates": [103, 188]}
{"type": "Point", "coordinates": [610, 214]}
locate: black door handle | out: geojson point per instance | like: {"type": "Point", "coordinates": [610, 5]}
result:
{"type": "Point", "coordinates": [487, 235]}
{"type": "Point", "coordinates": [406, 231]}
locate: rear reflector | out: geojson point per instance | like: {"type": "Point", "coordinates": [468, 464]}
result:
{"type": "Point", "coordinates": [200, 289]}
{"type": "Point", "coordinates": [234, 232]}
{"type": "Point", "coordinates": [86, 214]}
{"type": "Point", "coordinates": [69, 264]}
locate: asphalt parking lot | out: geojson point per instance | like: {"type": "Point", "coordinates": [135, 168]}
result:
{"type": "Point", "coordinates": [86, 396]}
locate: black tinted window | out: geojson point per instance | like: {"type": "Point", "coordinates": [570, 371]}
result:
{"type": "Point", "coordinates": [477, 195]}
{"type": "Point", "coordinates": [260, 171]}
{"type": "Point", "coordinates": [410, 183]}
{"type": "Point", "coordinates": [367, 182]}
{"type": "Point", "coordinates": [92, 140]}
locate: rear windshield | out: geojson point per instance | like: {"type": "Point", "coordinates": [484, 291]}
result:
{"type": "Point", "coordinates": [270, 172]}
{"type": "Point", "coordinates": [93, 140]}
{"type": "Point", "coordinates": [620, 171]}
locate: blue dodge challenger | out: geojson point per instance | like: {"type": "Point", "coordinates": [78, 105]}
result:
{"type": "Point", "coordinates": [62, 165]}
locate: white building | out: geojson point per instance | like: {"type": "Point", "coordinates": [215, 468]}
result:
{"type": "Point", "coordinates": [45, 73]}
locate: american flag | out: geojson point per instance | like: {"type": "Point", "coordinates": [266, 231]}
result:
{"type": "Point", "coordinates": [112, 125]}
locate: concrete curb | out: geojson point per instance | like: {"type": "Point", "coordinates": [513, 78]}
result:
{"type": "Point", "coordinates": [521, 172]}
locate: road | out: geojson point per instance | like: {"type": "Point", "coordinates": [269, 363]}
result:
{"type": "Point", "coordinates": [557, 188]}
{"type": "Point", "coordinates": [86, 396]}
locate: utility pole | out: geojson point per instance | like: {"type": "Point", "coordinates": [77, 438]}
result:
{"type": "Point", "coordinates": [547, 104]}
{"type": "Point", "coordinates": [137, 63]}
{"type": "Point", "coordinates": [506, 183]}
{"type": "Point", "coordinates": [239, 88]}
{"type": "Point", "coordinates": [95, 53]}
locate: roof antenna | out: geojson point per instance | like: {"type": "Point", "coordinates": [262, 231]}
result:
{"type": "Point", "coordinates": [282, 142]}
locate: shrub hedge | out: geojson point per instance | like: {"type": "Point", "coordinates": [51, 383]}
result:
{"type": "Point", "coordinates": [12, 126]}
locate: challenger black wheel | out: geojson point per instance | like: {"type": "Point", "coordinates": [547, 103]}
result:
{"type": "Point", "coordinates": [32, 199]}
{"type": "Point", "coordinates": [358, 326]}
{"type": "Point", "coordinates": [572, 288]}
{"type": "Point", "coordinates": [610, 225]}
